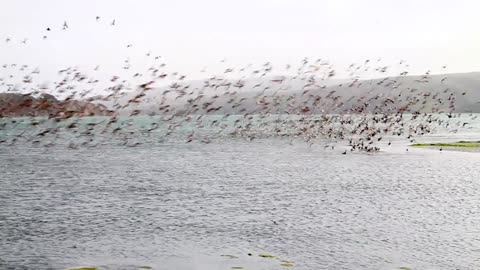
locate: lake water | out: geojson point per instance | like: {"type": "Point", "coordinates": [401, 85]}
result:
{"type": "Point", "coordinates": [171, 205]}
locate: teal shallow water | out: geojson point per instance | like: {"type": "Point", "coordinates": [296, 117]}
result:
{"type": "Point", "coordinates": [154, 129]}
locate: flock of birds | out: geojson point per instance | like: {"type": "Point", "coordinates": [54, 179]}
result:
{"type": "Point", "coordinates": [309, 105]}
{"type": "Point", "coordinates": [49, 30]}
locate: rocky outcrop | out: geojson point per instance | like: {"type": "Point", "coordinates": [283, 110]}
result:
{"type": "Point", "coordinates": [16, 105]}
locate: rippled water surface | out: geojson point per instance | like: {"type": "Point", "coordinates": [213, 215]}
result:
{"type": "Point", "coordinates": [183, 206]}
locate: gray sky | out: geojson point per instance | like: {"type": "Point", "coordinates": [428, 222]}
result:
{"type": "Point", "coordinates": [191, 34]}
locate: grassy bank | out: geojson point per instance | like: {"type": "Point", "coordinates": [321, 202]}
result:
{"type": "Point", "coordinates": [463, 144]}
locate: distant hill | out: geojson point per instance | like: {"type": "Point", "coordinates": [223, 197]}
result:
{"type": "Point", "coordinates": [14, 105]}
{"type": "Point", "coordinates": [458, 93]}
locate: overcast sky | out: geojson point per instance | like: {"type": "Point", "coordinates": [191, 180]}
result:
{"type": "Point", "coordinates": [191, 34]}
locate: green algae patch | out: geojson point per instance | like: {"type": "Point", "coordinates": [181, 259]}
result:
{"type": "Point", "coordinates": [467, 144]}
{"type": "Point", "coordinates": [287, 264]}
{"type": "Point", "coordinates": [83, 268]}
{"type": "Point", "coordinates": [264, 255]}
